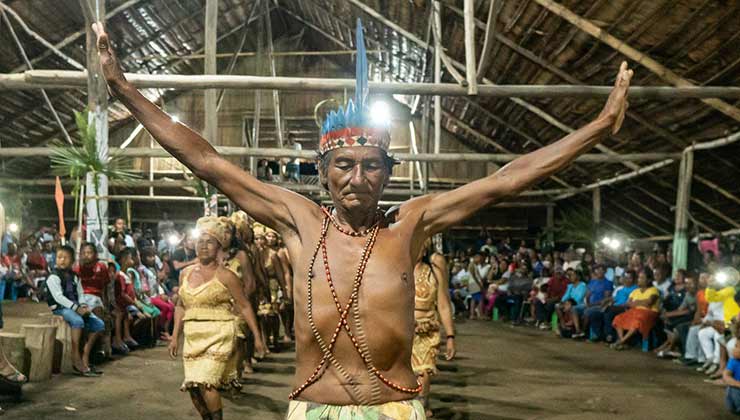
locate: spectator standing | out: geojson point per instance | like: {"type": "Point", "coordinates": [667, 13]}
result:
{"type": "Point", "coordinates": [479, 271]}
{"type": "Point", "coordinates": [293, 166]}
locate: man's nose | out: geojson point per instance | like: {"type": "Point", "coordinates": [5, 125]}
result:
{"type": "Point", "coordinates": [358, 175]}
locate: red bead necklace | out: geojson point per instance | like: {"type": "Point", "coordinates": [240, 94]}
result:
{"type": "Point", "coordinates": [343, 314]}
{"type": "Point", "coordinates": [328, 213]}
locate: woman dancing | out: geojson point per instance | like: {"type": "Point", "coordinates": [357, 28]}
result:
{"type": "Point", "coordinates": [204, 314]}
{"type": "Point", "coordinates": [432, 303]}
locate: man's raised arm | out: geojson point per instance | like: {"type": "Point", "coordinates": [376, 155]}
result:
{"type": "Point", "coordinates": [440, 211]}
{"type": "Point", "coordinates": [268, 204]}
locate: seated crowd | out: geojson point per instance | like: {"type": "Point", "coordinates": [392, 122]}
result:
{"type": "Point", "coordinates": [629, 300]}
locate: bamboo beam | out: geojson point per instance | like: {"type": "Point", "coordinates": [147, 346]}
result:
{"type": "Point", "coordinates": [643, 59]}
{"type": "Point", "coordinates": [680, 237]}
{"type": "Point", "coordinates": [273, 73]}
{"type": "Point", "coordinates": [437, 81]}
{"type": "Point", "coordinates": [210, 131]}
{"type": "Point", "coordinates": [68, 79]}
{"type": "Point", "coordinates": [244, 54]}
{"type": "Point", "coordinates": [494, 8]}
{"type": "Point", "coordinates": [30, 66]}
{"type": "Point", "coordinates": [71, 61]}
{"type": "Point", "coordinates": [471, 74]}
{"type": "Point", "coordinates": [717, 188]}
{"type": "Point", "coordinates": [6, 152]}
{"type": "Point", "coordinates": [75, 36]}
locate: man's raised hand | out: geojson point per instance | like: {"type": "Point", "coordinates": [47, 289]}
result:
{"type": "Point", "coordinates": [617, 103]}
{"type": "Point", "coordinates": [111, 69]}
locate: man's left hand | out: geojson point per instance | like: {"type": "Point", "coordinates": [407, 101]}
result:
{"type": "Point", "coordinates": [617, 103]}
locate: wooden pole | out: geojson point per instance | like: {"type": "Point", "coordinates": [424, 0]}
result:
{"type": "Point", "coordinates": [97, 104]}
{"type": "Point", "coordinates": [471, 74]}
{"type": "Point", "coordinates": [145, 152]}
{"type": "Point", "coordinates": [596, 201]}
{"type": "Point", "coordinates": [70, 79]}
{"type": "Point", "coordinates": [643, 59]}
{"type": "Point", "coordinates": [485, 58]}
{"type": "Point", "coordinates": [550, 224]}
{"type": "Point", "coordinates": [210, 131]}
{"type": "Point", "coordinates": [437, 80]}
{"type": "Point", "coordinates": [257, 98]}
{"type": "Point", "coordinates": [273, 72]}
{"type": "Point", "coordinates": [680, 237]}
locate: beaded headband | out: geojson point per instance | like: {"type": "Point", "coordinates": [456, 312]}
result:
{"type": "Point", "coordinates": [351, 125]}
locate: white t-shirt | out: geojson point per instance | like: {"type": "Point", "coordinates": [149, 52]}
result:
{"type": "Point", "coordinates": [483, 269]}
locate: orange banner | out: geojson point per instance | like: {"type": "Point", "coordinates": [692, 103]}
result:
{"type": "Point", "coordinates": [59, 198]}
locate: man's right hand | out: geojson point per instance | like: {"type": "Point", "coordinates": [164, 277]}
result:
{"type": "Point", "coordinates": [111, 69]}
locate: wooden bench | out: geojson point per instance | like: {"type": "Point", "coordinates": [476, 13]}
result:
{"type": "Point", "coordinates": [39, 341]}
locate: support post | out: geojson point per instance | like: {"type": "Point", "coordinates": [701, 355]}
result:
{"type": "Point", "coordinates": [471, 73]}
{"type": "Point", "coordinates": [210, 131]}
{"type": "Point", "coordinates": [273, 73]}
{"type": "Point", "coordinates": [550, 224]}
{"type": "Point", "coordinates": [683, 197]}
{"type": "Point", "coordinates": [596, 210]}
{"type": "Point", "coordinates": [257, 99]}
{"type": "Point", "coordinates": [97, 104]}
{"type": "Point", "coordinates": [437, 80]}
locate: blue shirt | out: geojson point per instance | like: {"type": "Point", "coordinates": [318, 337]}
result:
{"type": "Point", "coordinates": [577, 293]}
{"type": "Point", "coordinates": [734, 366]}
{"type": "Point", "coordinates": [598, 288]}
{"type": "Point", "coordinates": [623, 295]}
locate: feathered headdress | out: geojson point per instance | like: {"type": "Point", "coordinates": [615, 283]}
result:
{"type": "Point", "coordinates": [352, 125]}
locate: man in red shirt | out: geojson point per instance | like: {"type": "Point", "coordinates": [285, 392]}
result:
{"type": "Point", "coordinates": [556, 288]}
{"type": "Point", "coordinates": [95, 277]}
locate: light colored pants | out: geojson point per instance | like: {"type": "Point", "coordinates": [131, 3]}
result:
{"type": "Point", "coordinates": [693, 347]}
{"type": "Point", "coordinates": [708, 338]}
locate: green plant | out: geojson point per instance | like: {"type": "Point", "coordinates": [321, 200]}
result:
{"type": "Point", "coordinates": [82, 158]}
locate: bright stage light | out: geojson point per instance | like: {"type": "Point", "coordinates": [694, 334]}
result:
{"type": "Point", "coordinates": [13, 228]}
{"type": "Point", "coordinates": [173, 240]}
{"type": "Point", "coordinates": [606, 241]}
{"type": "Point", "coordinates": [380, 113]}
{"type": "Point", "coordinates": [615, 244]}
{"type": "Point", "coordinates": [722, 277]}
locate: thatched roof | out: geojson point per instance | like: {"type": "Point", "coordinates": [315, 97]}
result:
{"type": "Point", "coordinates": [697, 39]}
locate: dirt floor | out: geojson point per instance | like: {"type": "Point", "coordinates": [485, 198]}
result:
{"type": "Point", "coordinates": [501, 373]}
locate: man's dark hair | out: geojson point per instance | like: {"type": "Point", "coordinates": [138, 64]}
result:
{"type": "Point", "coordinates": [68, 249]}
{"type": "Point", "coordinates": [125, 252]}
{"type": "Point", "coordinates": [148, 251]}
{"type": "Point", "coordinates": [89, 245]}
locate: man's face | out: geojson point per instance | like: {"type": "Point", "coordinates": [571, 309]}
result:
{"type": "Point", "coordinates": [120, 225]}
{"type": "Point", "coordinates": [64, 260]}
{"type": "Point", "coordinates": [599, 272]}
{"type": "Point", "coordinates": [87, 255]}
{"type": "Point", "coordinates": [659, 275]}
{"type": "Point", "coordinates": [356, 177]}
{"type": "Point", "coordinates": [690, 285]}
{"type": "Point", "coordinates": [477, 259]}
{"type": "Point", "coordinates": [47, 246]}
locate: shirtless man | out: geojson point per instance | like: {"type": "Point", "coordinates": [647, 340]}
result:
{"type": "Point", "coordinates": [355, 177]}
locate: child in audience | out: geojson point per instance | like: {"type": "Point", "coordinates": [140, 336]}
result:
{"type": "Point", "coordinates": [731, 377]}
{"type": "Point", "coordinates": [566, 324]}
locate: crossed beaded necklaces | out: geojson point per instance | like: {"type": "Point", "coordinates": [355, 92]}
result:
{"type": "Point", "coordinates": [358, 339]}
